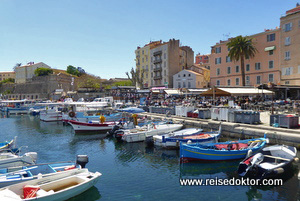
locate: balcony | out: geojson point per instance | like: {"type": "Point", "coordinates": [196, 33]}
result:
{"type": "Point", "coordinates": [137, 56]}
{"type": "Point", "coordinates": [157, 69]}
{"type": "Point", "coordinates": [157, 61]}
{"type": "Point", "coordinates": [157, 77]}
{"type": "Point", "coordinates": [157, 53]}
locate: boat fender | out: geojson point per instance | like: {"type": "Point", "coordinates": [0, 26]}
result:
{"type": "Point", "coordinates": [249, 153]}
{"type": "Point", "coordinates": [279, 170]}
{"type": "Point", "coordinates": [72, 114]}
{"type": "Point", "coordinates": [296, 159]}
{"type": "Point", "coordinates": [82, 160]}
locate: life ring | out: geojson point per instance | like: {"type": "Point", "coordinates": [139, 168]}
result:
{"type": "Point", "coordinates": [72, 114]}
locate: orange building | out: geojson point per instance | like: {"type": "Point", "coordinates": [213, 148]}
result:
{"type": "Point", "coordinates": [263, 68]}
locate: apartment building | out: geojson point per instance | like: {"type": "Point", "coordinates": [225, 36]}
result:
{"type": "Point", "coordinates": [6, 75]}
{"type": "Point", "coordinates": [263, 68]}
{"type": "Point", "coordinates": [27, 71]}
{"type": "Point", "coordinates": [290, 43]}
{"type": "Point", "coordinates": [166, 59]}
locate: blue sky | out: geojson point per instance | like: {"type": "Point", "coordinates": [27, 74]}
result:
{"type": "Point", "coordinates": [102, 35]}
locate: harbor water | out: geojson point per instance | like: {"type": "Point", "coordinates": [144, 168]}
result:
{"type": "Point", "coordinates": [133, 171]}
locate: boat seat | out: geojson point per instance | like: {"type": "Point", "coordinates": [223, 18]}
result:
{"type": "Point", "coordinates": [270, 166]}
{"type": "Point", "coordinates": [276, 157]}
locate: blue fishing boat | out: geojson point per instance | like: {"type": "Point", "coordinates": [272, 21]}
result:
{"type": "Point", "coordinates": [230, 150]}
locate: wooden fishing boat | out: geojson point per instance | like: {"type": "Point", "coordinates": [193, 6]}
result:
{"type": "Point", "coordinates": [56, 187]}
{"type": "Point", "coordinates": [230, 150]}
{"type": "Point", "coordinates": [95, 126]}
{"type": "Point", "coordinates": [173, 140]}
{"type": "Point", "coordinates": [270, 162]}
{"type": "Point", "coordinates": [12, 160]}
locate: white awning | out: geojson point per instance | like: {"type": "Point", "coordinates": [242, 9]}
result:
{"type": "Point", "coordinates": [173, 92]}
{"type": "Point", "coordinates": [246, 91]}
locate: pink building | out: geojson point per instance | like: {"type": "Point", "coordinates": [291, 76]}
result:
{"type": "Point", "coordinates": [204, 59]}
{"type": "Point", "coordinates": [263, 68]}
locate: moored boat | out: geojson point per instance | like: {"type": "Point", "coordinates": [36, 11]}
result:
{"type": "Point", "coordinates": [230, 150]}
{"type": "Point", "coordinates": [173, 140]}
{"type": "Point", "coordinates": [270, 162]}
{"type": "Point", "coordinates": [12, 160]}
{"type": "Point", "coordinates": [140, 134]}
{"type": "Point", "coordinates": [56, 187]}
{"type": "Point", "coordinates": [95, 126]}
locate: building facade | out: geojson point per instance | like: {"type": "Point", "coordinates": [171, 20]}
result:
{"type": "Point", "coordinates": [163, 59]}
{"type": "Point", "coordinates": [189, 79]}
{"type": "Point", "coordinates": [263, 68]}
{"type": "Point", "coordinates": [6, 75]}
{"type": "Point", "coordinates": [290, 43]}
{"type": "Point", "coordinates": [202, 58]}
{"type": "Point", "coordinates": [27, 71]}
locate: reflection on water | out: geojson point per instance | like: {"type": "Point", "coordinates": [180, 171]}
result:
{"type": "Point", "coordinates": [133, 171]}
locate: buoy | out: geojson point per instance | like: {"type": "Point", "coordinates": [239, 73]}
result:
{"type": "Point", "coordinates": [296, 159]}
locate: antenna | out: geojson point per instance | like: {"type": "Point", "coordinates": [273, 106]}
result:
{"type": "Point", "coordinates": [226, 36]}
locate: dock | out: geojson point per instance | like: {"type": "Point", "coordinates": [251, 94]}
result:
{"type": "Point", "coordinates": [239, 130]}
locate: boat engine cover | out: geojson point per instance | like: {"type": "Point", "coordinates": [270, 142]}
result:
{"type": "Point", "coordinates": [82, 160]}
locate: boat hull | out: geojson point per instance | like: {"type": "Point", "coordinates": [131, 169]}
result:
{"type": "Point", "coordinates": [195, 152]}
{"type": "Point", "coordinates": [88, 127]}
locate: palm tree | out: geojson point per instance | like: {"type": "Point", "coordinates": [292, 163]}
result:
{"type": "Point", "coordinates": [241, 48]}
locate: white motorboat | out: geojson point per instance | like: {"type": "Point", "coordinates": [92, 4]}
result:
{"type": "Point", "coordinates": [12, 160]}
{"type": "Point", "coordinates": [140, 134]}
{"type": "Point", "coordinates": [51, 113]}
{"type": "Point", "coordinates": [94, 126]}
{"type": "Point", "coordinates": [56, 187]}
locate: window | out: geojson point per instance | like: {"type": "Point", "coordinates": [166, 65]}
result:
{"type": "Point", "coordinates": [287, 55]}
{"type": "Point", "coordinates": [287, 40]}
{"type": "Point", "coordinates": [165, 55]}
{"type": "Point", "coordinates": [228, 49]}
{"type": "Point", "coordinates": [228, 70]}
{"type": "Point", "coordinates": [247, 67]}
{"type": "Point", "coordinates": [287, 82]}
{"type": "Point", "coordinates": [271, 37]}
{"type": "Point", "coordinates": [178, 75]}
{"type": "Point", "coordinates": [237, 69]}
{"type": "Point", "coordinates": [143, 52]}
{"type": "Point", "coordinates": [258, 79]}
{"type": "Point", "coordinates": [271, 64]}
{"type": "Point", "coordinates": [179, 85]}
{"type": "Point", "coordinates": [218, 82]}
{"type": "Point", "coordinates": [189, 75]}
{"type": "Point", "coordinates": [288, 27]}
{"type": "Point", "coordinates": [271, 77]}
{"type": "Point", "coordinates": [218, 50]}
{"type": "Point", "coordinates": [237, 81]}
{"type": "Point", "coordinates": [189, 85]}
{"type": "Point", "coordinates": [183, 75]}
{"type": "Point", "coordinates": [246, 56]}
{"type": "Point", "coordinates": [218, 71]}
{"type": "Point", "coordinates": [218, 60]}
{"type": "Point", "coordinates": [184, 85]}
{"type": "Point", "coordinates": [271, 52]}
{"type": "Point", "coordinates": [287, 71]}
{"type": "Point", "coordinates": [247, 80]}
{"type": "Point", "coordinates": [228, 82]}
{"type": "Point", "coordinates": [228, 59]}
{"type": "Point", "coordinates": [257, 66]}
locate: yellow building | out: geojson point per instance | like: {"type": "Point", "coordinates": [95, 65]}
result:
{"type": "Point", "coordinates": [143, 63]}
{"type": "Point", "coordinates": [6, 75]}
{"type": "Point", "coordinates": [27, 71]}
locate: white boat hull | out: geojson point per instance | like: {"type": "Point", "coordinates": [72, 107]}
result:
{"type": "Point", "coordinates": [50, 116]}
{"type": "Point", "coordinates": [85, 127]}
{"type": "Point", "coordinates": [141, 135]}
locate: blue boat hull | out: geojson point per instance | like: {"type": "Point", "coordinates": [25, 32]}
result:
{"type": "Point", "coordinates": [190, 152]}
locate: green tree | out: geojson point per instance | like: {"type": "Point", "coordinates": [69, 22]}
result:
{"type": "Point", "coordinates": [241, 48]}
{"type": "Point", "coordinates": [43, 71]}
{"type": "Point", "coordinates": [89, 81]}
{"type": "Point", "coordinates": [8, 80]}
{"type": "Point", "coordinates": [137, 77]}
{"type": "Point", "coordinates": [73, 70]}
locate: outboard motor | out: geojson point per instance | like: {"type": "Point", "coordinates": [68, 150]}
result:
{"type": "Point", "coordinates": [114, 129]}
{"type": "Point", "coordinates": [82, 160]}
